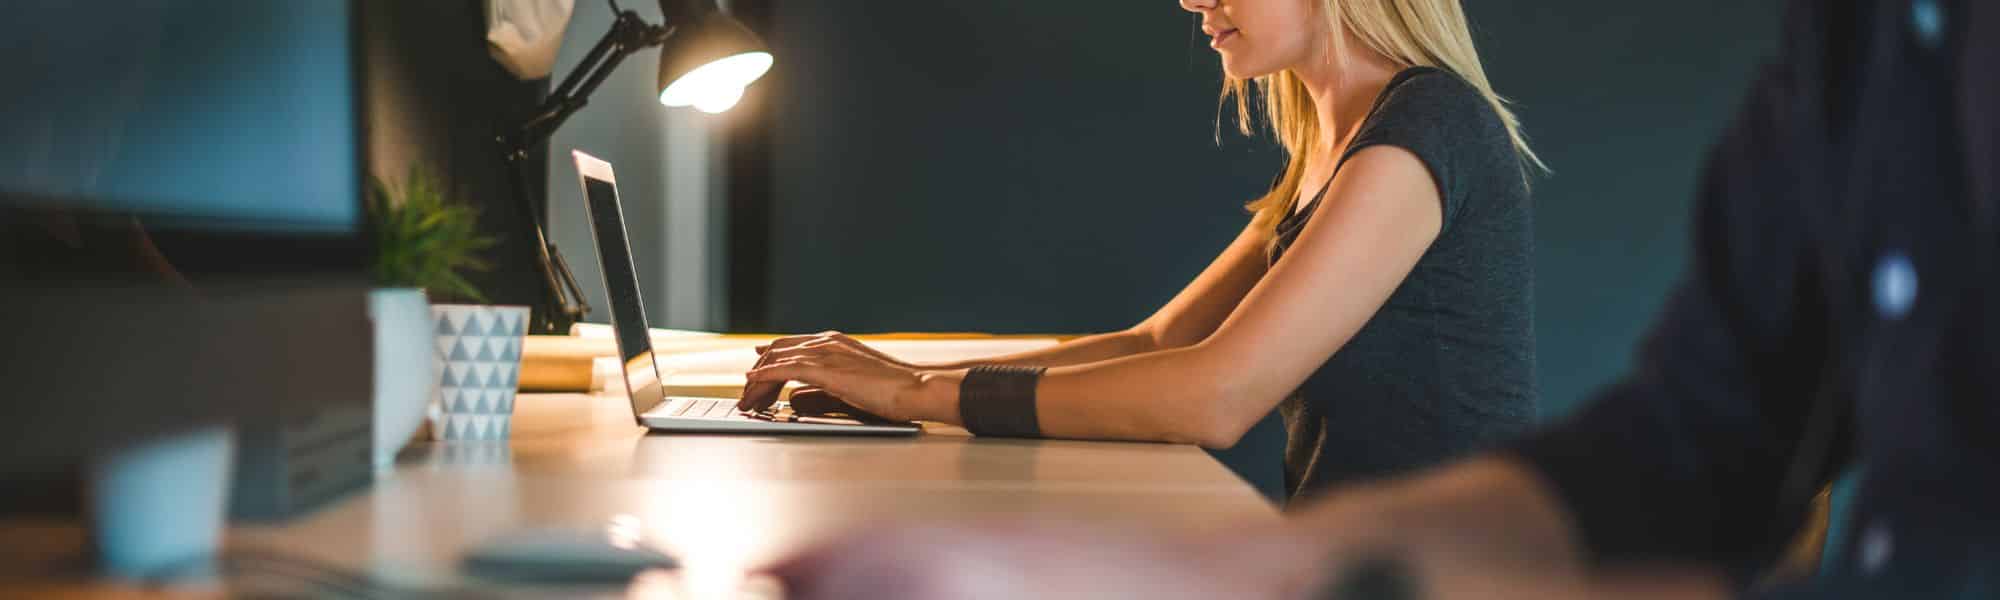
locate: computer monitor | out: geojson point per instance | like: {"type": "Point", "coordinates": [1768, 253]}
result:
{"type": "Point", "coordinates": [226, 138]}
{"type": "Point", "coordinates": [230, 126]}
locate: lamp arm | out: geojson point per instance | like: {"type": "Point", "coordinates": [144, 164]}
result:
{"type": "Point", "coordinates": [597, 52]}
{"type": "Point", "coordinates": [564, 296]}
{"type": "Point", "coordinates": [628, 34]}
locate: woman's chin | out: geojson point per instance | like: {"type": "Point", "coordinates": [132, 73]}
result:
{"type": "Point", "coordinates": [1242, 69]}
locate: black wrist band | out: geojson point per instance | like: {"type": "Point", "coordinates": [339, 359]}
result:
{"type": "Point", "coordinates": [997, 400]}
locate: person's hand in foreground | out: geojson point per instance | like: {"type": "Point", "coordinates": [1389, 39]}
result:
{"type": "Point", "coordinates": [1051, 560]}
{"type": "Point", "coordinates": [1023, 560]}
{"type": "Point", "coordinates": [1485, 528]}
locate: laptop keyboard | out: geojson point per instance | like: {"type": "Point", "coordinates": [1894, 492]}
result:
{"type": "Point", "coordinates": [699, 408]}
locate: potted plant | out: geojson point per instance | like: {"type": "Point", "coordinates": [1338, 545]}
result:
{"type": "Point", "coordinates": [424, 243]}
{"type": "Point", "coordinates": [424, 239]}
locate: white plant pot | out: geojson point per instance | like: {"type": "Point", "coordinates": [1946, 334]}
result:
{"type": "Point", "coordinates": [405, 377]}
{"type": "Point", "coordinates": [478, 352]}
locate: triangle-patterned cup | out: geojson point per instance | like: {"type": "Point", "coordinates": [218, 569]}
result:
{"type": "Point", "coordinates": [478, 359]}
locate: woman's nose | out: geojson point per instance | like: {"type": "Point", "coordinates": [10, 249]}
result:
{"type": "Point", "coordinates": [1198, 5]}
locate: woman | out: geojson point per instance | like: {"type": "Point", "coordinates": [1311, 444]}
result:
{"type": "Point", "coordinates": [1380, 296]}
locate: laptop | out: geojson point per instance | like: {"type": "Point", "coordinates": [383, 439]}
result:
{"type": "Point", "coordinates": [651, 406]}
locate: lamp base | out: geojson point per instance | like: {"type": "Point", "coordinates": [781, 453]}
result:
{"type": "Point", "coordinates": [550, 322]}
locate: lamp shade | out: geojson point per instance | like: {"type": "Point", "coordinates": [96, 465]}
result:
{"type": "Point", "coordinates": [708, 61]}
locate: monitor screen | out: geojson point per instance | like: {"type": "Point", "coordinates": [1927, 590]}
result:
{"type": "Point", "coordinates": [621, 285]}
{"type": "Point", "coordinates": [231, 115]}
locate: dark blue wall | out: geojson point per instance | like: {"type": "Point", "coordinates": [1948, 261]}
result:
{"type": "Point", "coordinates": [1622, 99]}
{"type": "Point", "coordinates": [1054, 167]}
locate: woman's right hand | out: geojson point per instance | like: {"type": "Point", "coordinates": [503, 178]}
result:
{"type": "Point", "coordinates": [760, 395]}
{"type": "Point", "coordinates": [829, 339]}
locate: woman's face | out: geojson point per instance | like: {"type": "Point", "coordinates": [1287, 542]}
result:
{"type": "Point", "coordinates": [1257, 37]}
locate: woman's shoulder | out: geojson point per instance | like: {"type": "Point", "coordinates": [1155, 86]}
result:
{"type": "Point", "coordinates": [1429, 96]}
{"type": "Point", "coordinates": [1451, 127]}
{"type": "Point", "coordinates": [1443, 119]}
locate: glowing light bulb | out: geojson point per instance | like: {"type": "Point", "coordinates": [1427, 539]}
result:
{"type": "Point", "coordinates": [718, 100]}
{"type": "Point", "coordinates": [716, 86]}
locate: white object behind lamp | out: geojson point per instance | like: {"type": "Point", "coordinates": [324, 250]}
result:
{"type": "Point", "coordinates": [523, 35]}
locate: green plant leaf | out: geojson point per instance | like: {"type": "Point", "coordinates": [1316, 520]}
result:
{"type": "Point", "coordinates": [424, 237]}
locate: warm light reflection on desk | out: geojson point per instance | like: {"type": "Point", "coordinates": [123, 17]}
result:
{"type": "Point", "coordinates": [724, 504]}
{"type": "Point", "coordinates": [719, 530]}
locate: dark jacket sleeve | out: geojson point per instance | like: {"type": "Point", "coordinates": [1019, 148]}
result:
{"type": "Point", "coordinates": [1683, 459]}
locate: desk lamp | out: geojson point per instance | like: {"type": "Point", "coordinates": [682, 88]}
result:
{"type": "Point", "coordinates": [706, 59]}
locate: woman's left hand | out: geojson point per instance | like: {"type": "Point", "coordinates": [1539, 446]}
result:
{"type": "Point", "coordinates": [867, 380]}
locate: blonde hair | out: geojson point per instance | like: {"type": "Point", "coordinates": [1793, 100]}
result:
{"type": "Point", "coordinates": [1431, 33]}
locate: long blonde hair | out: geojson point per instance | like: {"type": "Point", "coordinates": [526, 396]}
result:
{"type": "Point", "coordinates": [1432, 33]}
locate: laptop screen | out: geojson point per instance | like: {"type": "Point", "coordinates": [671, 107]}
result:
{"type": "Point", "coordinates": [621, 284]}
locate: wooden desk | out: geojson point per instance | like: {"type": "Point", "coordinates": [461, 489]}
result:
{"type": "Point", "coordinates": [723, 504]}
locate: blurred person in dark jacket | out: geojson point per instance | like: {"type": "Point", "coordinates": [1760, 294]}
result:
{"type": "Point", "coordinates": [1841, 311]}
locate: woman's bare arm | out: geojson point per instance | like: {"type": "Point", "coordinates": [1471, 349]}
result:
{"type": "Point", "coordinates": [1185, 320]}
{"type": "Point", "coordinates": [1379, 216]}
